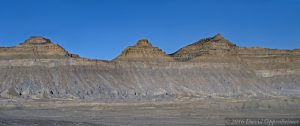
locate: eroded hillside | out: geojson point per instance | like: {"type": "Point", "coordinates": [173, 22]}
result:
{"type": "Point", "coordinates": [211, 67]}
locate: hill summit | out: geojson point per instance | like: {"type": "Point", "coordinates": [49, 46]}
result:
{"type": "Point", "coordinates": [36, 40]}
{"type": "Point", "coordinates": [204, 46]}
{"type": "Point", "coordinates": [35, 47]}
{"type": "Point", "coordinates": [143, 51]}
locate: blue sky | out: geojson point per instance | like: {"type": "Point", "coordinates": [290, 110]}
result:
{"type": "Point", "coordinates": [101, 29]}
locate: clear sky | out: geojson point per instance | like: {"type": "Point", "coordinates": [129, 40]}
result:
{"type": "Point", "coordinates": [101, 29]}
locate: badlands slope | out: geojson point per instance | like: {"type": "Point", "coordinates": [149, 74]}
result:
{"type": "Point", "coordinates": [209, 68]}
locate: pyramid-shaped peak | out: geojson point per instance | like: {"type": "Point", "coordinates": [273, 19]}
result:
{"type": "Point", "coordinates": [213, 45]}
{"type": "Point", "coordinates": [218, 37]}
{"type": "Point", "coordinates": [143, 43]}
{"type": "Point", "coordinates": [221, 42]}
{"type": "Point", "coordinates": [143, 51]}
{"type": "Point", "coordinates": [36, 40]}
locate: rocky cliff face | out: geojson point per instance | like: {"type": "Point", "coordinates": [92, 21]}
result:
{"type": "Point", "coordinates": [212, 45]}
{"type": "Point", "coordinates": [34, 48]}
{"type": "Point", "coordinates": [213, 67]}
{"type": "Point", "coordinates": [143, 51]}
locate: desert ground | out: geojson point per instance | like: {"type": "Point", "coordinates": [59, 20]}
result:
{"type": "Point", "coordinates": [190, 112]}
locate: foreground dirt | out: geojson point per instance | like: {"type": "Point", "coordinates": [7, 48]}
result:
{"type": "Point", "coordinates": [199, 112]}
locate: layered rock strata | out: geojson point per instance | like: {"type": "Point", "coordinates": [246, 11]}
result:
{"type": "Point", "coordinates": [213, 67]}
{"type": "Point", "coordinates": [34, 48]}
{"type": "Point", "coordinates": [143, 51]}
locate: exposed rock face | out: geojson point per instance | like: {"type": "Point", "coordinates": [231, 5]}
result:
{"type": "Point", "coordinates": [212, 67]}
{"type": "Point", "coordinates": [143, 51]}
{"type": "Point", "coordinates": [36, 40]}
{"type": "Point", "coordinates": [213, 45]}
{"type": "Point", "coordinates": [35, 48]}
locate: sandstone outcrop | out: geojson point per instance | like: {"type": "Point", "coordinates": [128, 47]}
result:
{"type": "Point", "coordinates": [143, 51]}
{"type": "Point", "coordinates": [219, 50]}
{"type": "Point", "coordinates": [212, 45]}
{"type": "Point", "coordinates": [35, 47]}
